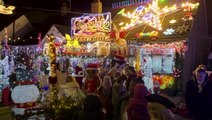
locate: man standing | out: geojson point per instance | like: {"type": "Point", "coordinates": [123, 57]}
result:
{"type": "Point", "coordinates": [199, 95]}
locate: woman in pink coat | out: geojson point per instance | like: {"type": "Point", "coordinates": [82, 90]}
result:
{"type": "Point", "coordinates": [137, 106]}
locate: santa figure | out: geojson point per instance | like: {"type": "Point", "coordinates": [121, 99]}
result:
{"type": "Point", "coordinates": [118, 64]}
{"type": "Point", "coordinates": [92, 80]}
{"type": "Point", "coordinates": [79, 74]}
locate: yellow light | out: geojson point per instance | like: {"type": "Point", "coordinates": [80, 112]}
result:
{"type": "Point", "coordinates": [6, 10]}
{"type": "Point", "coordinates": [121, 23]}
{"type": "Point", "coordinates": [71, 43]}
{"type": "Point", "coordinates": [172, 21]}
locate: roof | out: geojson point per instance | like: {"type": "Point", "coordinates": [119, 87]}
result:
{"type": "Point", "coordinates": [181, 27]}
{"type": "Point", "coordinates": [63, 29]}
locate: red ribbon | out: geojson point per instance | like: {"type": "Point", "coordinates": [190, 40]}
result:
{"type": "Point", "coordinates": [27, 82]}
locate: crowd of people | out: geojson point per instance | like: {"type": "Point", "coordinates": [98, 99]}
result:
{"type": "Point", "coordinates": [119, 93]}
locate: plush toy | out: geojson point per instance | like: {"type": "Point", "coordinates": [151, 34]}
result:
{"type": "Point", "coordinates": [118, 64]}
{"type": "Point", "coordinates": [78, 73]}
{"type": "Point", "coordinates": [92, 80]}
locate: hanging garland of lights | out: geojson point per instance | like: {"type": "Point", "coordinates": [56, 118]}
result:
{"type": "Point", "coordinates": [52, 60]}
{"type": "Point", "coordinates": [52, 77]}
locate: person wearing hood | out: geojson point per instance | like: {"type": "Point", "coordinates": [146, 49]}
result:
{"type": "Point", "coordinates": [137, 107]}
{"type": "Point", "coordinates": [198, 95]}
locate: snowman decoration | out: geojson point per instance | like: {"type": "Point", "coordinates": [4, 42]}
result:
{"type": "Point", "coordinates": [24, 96]}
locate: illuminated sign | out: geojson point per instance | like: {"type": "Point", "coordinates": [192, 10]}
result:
{"type": "Point", "coordinates": [93, 26]}
{"type": "Point", "coordinates": [92, 38]}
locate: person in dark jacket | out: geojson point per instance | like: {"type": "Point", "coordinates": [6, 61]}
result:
{"type": "Point", "coordinates": [137, 106]}
{"type": "Point", "coordinates": [198, 95]}
{"type": "Point", "coordinates": [105, 95]}
{"type": "Point", "coordinates": [131, 73]}
{"type": "Point", "coordinates": [92, 109]}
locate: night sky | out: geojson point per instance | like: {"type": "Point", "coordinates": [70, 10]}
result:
{"type": "Point", "coordinates": [42, 14]}
{"type": "Point", "coordinates": [33, 9]}
{"type": "Point", "coordinates": [77, 5]}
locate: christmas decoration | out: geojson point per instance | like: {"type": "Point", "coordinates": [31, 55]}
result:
{"type": "Point", "coordinates": [91, 24]}
{"type": "Point", "coordinates": [172, 21]}
{"type": "Point", "coordinates": [52, 60]}
{"type": "Point", "coordinates": [168, 31]}
{"type": "Point", "coordinates": [189, 6]}
{"type": "Point", "coordinates": [4, 73]}
{"type": "Point", "coordinates": [165, 81]}
{"type": "Point", "coordinates": [127, 3]}
{"type": "Point", "coordinates": [72, 46]}
{"type": "Point", "coordinates": [100, 48]}
{"type": "Point", "coordinates": [188, 16]}
{"type": "Point", "coordinates": [147, 15]}
{"type": "Point", "coordinates": [92, 80]}
{"type": "Point", "coordinates": [93, 27]}
{"type": "Point", "coordinates": [25, 94]}
{"type": "Point", "coordinates": [24, 97]}
{"type": "Point", "coordinates": [71, 43]}
{"type": "Point", "coordinates": [24, 74]}
{"type": "Point", "coordinates": [6, 10]}
{"type": "Point", "coordinates": [148, 34]}
{"type": "Point", "coordinates": [58, 110]}
{"type": "Point", "coordinates": [151, 14]}
{"type": "Point", "coordinates": [159, 58]}
{"type": "Point", "coordinates": [177, 70]}
{"type": "Point", "coordinates": [119, 44]}
{"type": "Point", "coordinates": [183, 28]}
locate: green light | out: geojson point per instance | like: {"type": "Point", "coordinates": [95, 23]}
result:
{"type": "Point", "coordinates": [162, 1]}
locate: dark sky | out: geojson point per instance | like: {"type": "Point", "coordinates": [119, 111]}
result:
{"type": "Point", "coordinates": [23, 6]}
{"type": "Point", "coordinates": [77, 5]}
{"type": "Point", "coordinates": [42, 14]}
{"type": "Point", "coordinates": [46, 6]}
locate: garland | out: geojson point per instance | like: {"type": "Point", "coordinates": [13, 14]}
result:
{"type": "Point", "coordinates": [52, 60]}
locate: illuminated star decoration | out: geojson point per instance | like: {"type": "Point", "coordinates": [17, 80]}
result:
{"type": "Point", "coordinates": [168, 31]}
{"type": "Point", "coordinates": [149, 15]}
{"type": "Point", "coordinates": [6, 10]}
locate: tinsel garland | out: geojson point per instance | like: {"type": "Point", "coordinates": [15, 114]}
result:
{"type": "Point", "coordinates": [52, 60]}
